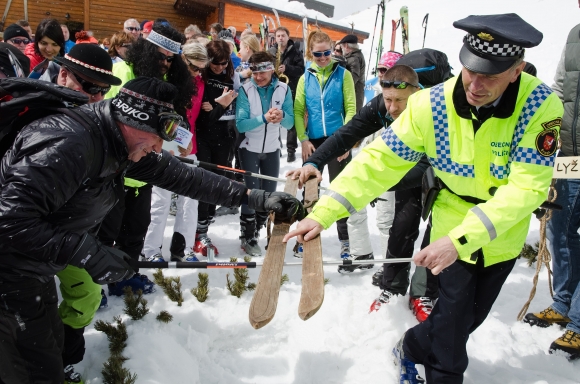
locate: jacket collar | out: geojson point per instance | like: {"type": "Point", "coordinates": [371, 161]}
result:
{"type": "Point", "coordinates": [504, 109]}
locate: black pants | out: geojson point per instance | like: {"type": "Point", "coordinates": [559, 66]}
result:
{"type": "Point", "coordinates": [260, 163]}
{"type": "Point", "coordinates": [31, 333]}
{"type": "Point", "coordinates": [466, 295]}
{"type": "Point", "coordinates": [291, 140]}
{"type": "Point", "coordinates": [402, 237]}
{"type": "Point", "coordinates": [215, 152]}
{"type": "Point", "coordinates": [126, 224]}
{"type": "Point", "coordinates": [334, 168]}
{"type": "Point", "coordinates": [74, 345]}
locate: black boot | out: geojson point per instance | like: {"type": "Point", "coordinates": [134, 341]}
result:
{"type": "Point", "coordinates": [248, 235]}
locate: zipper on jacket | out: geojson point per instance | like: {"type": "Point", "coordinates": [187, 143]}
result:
{"type": "Point", "coordinates": [322, 103]}
{"type": "Point", "coordinates": [575, 120]}
{"type": "Point", "coordinates": [265, 135]}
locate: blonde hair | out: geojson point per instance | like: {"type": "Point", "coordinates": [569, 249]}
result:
{"type": "Point", "coordinates": [118, 40]}
{"type": "Point", "coordinates": [195, 51]}
{"type": "Point", "coordinates": [316, 37]}
{"type": "Point", "coordinates": [252, 42]}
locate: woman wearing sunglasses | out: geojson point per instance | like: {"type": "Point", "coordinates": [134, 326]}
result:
{"type": "Point", "coordinates": [215, 134]}
{"type": "Point", "coordinates": [182, 241]}
{"type": "Point", "coordinates": [120, 43]}
{"type": "Point", "coordinates": [326, 95]}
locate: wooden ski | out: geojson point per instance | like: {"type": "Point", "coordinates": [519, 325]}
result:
{"type": "Point", "coordinates": [312, 294]}
{"type": "Point", "coordinates": [265, 300]}
{"type": "Point", "coordinates": [404, 12]}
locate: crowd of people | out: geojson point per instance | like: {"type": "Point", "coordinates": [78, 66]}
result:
{"type": "Point", "coordinates": [233, 97]}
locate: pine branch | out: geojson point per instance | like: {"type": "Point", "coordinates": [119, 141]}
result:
{"type": "Point", "coordinates": [117, 335]}
{"type": "Point", "coordinates": [113, 371]}
{"type": "Point", "coordinates": [135, 306]}
{"type": "Point", "coordinates": [202, 290]}
{"type": "Point", "coordinates": [284, 279]}
{"type": "Point", "coordinates": [164, 317]}
{"type": "Point", "coordinates": [241, 277]}
{"type": "Point", "coordinates": [530, 253]}
{"type": "Point", "coordinates": [170, 285]}
{"type": "Point", "coordinates": [326, 280]}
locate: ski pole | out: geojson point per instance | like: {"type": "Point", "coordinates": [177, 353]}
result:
{"type": "Point", "coordinates": [253, 264]}
{"type": "Point", "coordinates": [425, 21]}
{"type": "Point", "coordinates": [205, 165]}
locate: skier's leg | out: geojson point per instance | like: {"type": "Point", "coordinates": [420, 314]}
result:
{"type": "Point", "coordinates": [160, 201]}
{"type": "Point", "coordinates": [136, 220]}
{"type": "Point", "coordinates": [385, 215]}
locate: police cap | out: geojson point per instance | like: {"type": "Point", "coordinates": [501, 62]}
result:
{"type": "Point", "coordinates": [494, 42]}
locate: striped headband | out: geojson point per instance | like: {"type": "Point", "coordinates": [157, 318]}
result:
{"type": "Point", "coordinates": [262, 67]}
{"type": "Point", "coordinates": [164, 42]}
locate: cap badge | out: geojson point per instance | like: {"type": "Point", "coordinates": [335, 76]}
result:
{"type": "Point", "coordinates": [485, 36]}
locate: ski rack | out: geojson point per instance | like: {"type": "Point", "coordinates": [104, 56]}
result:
{"type": "Point", "coordinates": [265, 299]}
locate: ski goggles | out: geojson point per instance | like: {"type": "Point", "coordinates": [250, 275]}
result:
{"type": "Point", "coordinates": [88, 87]}
{"type": "Point", "coordinates": [168, 124]}
{"type": "Point", "coordinates": [397, 84]}
{"type": "Point", "coordinates": [323, 53]}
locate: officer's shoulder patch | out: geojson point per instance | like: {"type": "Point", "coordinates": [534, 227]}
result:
{"type": "Point", "coordinates": [552, 123]}
{"type": "Point", "coordinates": [547, 142]}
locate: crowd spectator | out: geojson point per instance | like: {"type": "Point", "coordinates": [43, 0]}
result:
{"type": "Point", "coordinates": [26, 25]}
{"type": "Point", "coordinates": [68, 43]}
{"type": "Point", "coordinates": [191, 30]}
{"type": "Point", "coordinates": [132, 26]}
{"type": "Point", "coordinates": [48, 44]}
{"type": "Point", "coordinates": [17, 36]}
{"type": "Point", "coordinates": [120, 43]}
{"type": "Point", "coordinates": [355, 63]}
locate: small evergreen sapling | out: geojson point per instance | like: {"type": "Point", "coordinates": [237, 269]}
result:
{"type": "Point", "coordinates": [170, 285]}
{"type": "Point", "coordinates": [239, 285]}
{"type": "Point", "coordinates": [202, 290]}
{"type": "Point", "coordinates": [113, 370]}
{"type": "Point", "coordinates": [164, 317]}
{"type": "Point", "coordinates": [135, 305]}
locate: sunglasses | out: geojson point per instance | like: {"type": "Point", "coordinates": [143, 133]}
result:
{"type": "Point", "coordinates": [126, 46]}
{"type": "Point", "coordinates": [224, 63]}
{"type": "Point", "coordinates": [88, 87]}
{"type": "Point", "coordinates": [133, 29]}
{"type": "Point", "coordinates": [382, 71]}
{"type": "Point", "coordinates": [320, 54]}
{"type": "Point", "coordinates": [397, 84]}
{"type": "Point", "coordinates": [193, 67]}
{"type": "Point", "coordinates": [163, 57]}
{"type": "Point", "coordinates": [168, 124]}
{"type": "Point", "coordinates": [19, 41]}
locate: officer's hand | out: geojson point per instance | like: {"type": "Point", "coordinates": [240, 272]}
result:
{"type": "Point", "coordinates": [437, 256]}
{"type": "Point", "coordinates": [104, 264]}
{"type": "Point", "coordinates": [304, 173]}
{"type": "Point", "coordinates": [341, 158]}
{"type": "Point", "coordinates": [307, 149]}
{"type": "Point", "coordinates": [306, 230]}
{"type": "Point", "coordinates": [287, 208]}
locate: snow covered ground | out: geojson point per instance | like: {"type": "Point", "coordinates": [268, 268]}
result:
{"type": "Point", "coordinates": [213, 342]}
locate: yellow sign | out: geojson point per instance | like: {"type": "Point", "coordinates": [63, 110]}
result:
{"type": "Point", "coordinates": [485, 36]}
{"type": "Point", "coordinates": [567, 167]}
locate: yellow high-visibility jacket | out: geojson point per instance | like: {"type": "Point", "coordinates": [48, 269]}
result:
{"type": "Point", "coordinates": [515, 154]}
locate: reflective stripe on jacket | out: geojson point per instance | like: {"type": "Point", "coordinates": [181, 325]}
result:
{"type": "Point", "coordinates": [504, 154]}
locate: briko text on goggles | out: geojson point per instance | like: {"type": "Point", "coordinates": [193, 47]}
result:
{"type": "Point", "coordinates": [168, 124]}
{"type": "Point", "coordinates": [323, 53]}
{"type": "Point", "coordinates": [88, 87]}
{"type": "Point", "coordinates": [397, 84]}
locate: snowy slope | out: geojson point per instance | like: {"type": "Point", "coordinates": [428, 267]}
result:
{"type": "Point", "coordinates": [213, 342]}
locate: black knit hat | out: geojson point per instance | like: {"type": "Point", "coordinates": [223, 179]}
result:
{"type": "Point", "coordinates": [140, 102]}
{"type": "Point", "coordinates": [15, 30]}
{"type": "Point", "coordinates": [226, 36]}
{"type": "Point", "coordinates": [92, 61]}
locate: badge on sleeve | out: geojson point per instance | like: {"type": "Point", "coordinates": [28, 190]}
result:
{"type": "Point", "coordinates": [547, 140]}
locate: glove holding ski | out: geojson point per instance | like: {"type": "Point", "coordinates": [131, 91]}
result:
{"type": "Point", "coordinates": [288, 209]}
{"type": "Point", "coordinates": [104, 264]}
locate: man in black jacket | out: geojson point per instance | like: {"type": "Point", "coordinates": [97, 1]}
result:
{"type": "Point", "coordinates": [355, 63]}
{"type": "Point", "coordinates": [291, 65]}
{"type": "Point", "coordinates": [58, 181]}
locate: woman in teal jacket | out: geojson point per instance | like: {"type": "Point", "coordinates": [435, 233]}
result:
{"type": "Point", "coordinates": [326, 95]}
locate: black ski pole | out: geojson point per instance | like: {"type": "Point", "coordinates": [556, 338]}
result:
{"type": "Point", "coordinates": [253, 264]}
{"type": "Point", "coordinates": [425, 21]}
{"type": "Point", "coordinates": [205, 165]}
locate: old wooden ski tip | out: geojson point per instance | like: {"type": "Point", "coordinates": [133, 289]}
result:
{"type": "Point", "coordinates": [312, 294]}
{"type": "Point", "coordinates": [265, 300]}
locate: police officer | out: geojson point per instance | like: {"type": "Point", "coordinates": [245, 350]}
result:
{"type": "Point", "coordinates": [490, 135]}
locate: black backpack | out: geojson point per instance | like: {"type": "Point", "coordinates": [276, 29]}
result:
{"type": "Point", "coordinates": [24, 100]}
{"type": "Point", "coordinates": [431, 65]}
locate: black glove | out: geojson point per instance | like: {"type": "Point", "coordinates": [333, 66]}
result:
{"type": "Point", "coordinates": [104, 264]}
{"type": "Point", "coordinates": [288, 209]}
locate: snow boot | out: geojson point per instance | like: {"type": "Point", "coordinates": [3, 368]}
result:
{"type": "Point", "coordinates": [344, 249]}
{"type": "Point", "coordinates": [351, 268]}
{"type": "Point", "coordinates": [137, 282]}
{"type": "Point", "coordinates": [72, 377]}
{"type": "Point", "coordinates": [569, 343]}
{"type": "Point", "coordinates": [202, 243]}
{"type": "Point", "coordinates": [546, 318]}
{"type": "Point", "coordinates": [421, 307]}
{"type": "Point", "coordinates": [248, 235]}
{"type": "Point", "coordinates": [104, 300]}
{"type": "Point", "coordinates": [156, 258]}
{"type": "Point", "coordinates": [383, 298]}
{"type": "Point", "coordinates": [408, 374]}
{"type": "Point", "coordinates": [378, 277]}
{"type": "Point", "coordinates": [298, 250]}
{"type": "Point", "coordinates": [178, 251]}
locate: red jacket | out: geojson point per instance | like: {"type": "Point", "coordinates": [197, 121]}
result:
{"type": "Point", "coordinates": [35, 59]}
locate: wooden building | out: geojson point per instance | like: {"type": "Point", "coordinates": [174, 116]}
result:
{"type": "Point", "coordinates": [105, 17]}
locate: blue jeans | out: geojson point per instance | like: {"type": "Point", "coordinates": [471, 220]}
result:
{"type": "Point", "coordinates": [564, 245]}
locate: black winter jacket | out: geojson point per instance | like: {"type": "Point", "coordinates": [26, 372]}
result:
{"type": "Point", "coordinates": [213, 125]}
{"type": "Point", "coordinates": [371, 118]}
{"type": "Point", "coordinates": [293, 59]}
{"type": "Point", "coordinates": [46, 206]}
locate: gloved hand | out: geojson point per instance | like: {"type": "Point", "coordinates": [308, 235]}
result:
{"type": "Point", "coordinates": [104, 264]}
{"type": "Point", "coordinates": [288, 209]}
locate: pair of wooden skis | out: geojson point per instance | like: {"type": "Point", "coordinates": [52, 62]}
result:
{"type": "Point", "coordinates": [265, 300]}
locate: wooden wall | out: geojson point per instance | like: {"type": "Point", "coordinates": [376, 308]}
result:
{"type": "Point", "coordinates": [37, 10]}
